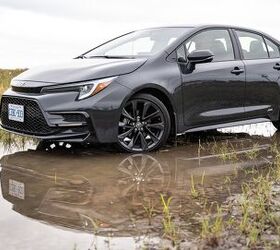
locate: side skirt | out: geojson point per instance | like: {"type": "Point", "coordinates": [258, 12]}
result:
{"type": "Point", "coordinates": [226, 125]}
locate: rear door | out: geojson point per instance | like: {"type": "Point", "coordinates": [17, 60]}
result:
{"type": "Point", "coordinates": [262, 63]}
{"type": "Point", "coordinates": [213, 93]}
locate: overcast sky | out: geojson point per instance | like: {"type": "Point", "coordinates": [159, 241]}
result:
{"type": "Point", "coordinates": [34, 32]}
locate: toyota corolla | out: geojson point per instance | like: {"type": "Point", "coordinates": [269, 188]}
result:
{"type": "Point", "coordinates": [144, 87]}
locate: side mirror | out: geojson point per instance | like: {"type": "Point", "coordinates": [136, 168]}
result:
{"type": "Point", "coordinates": [200, 56]}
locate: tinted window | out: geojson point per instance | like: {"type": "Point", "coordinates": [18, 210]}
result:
{"type": "Point", "coordinates": [253, 46]}
{"type": "Point", "coordinates": [273, 49]}
{"type": "Point", "coordinates": [217, 41]}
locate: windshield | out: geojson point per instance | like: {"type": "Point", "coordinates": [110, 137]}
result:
{"type": "Point", "coordinates": [138, 43]}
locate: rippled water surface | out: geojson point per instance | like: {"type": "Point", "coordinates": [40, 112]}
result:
{"type": "Point", "coordinates": [57, 196]}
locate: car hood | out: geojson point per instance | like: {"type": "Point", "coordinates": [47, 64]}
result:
{"type": "Point", "coordinates": [77, 70]}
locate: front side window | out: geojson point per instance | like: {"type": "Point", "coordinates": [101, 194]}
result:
{"type": "Point", "coordinates": [217, 41]}
{"type": "Point", "coordinates": [252, 45]}
{"type": "Point", "coordinates": [273, 49]}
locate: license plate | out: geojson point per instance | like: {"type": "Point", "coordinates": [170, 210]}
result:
{"type": "Point", "coordinates": [16, 112]}
{"type": "Point", "coordinates": [16, 189]}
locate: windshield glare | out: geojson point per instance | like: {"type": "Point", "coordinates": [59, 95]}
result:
{"type": "Point", "coordinates": [138, 43]}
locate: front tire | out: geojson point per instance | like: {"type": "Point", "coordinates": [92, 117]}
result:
{"type": "Point", "coordinates": [144, 124]}
{"type": "Point", "coordinates": [276, 124]}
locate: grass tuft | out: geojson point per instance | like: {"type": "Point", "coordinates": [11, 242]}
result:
{"type": "Point", "coordinates": [168, 223]}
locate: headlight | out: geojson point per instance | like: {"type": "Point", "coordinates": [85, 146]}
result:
{"type": "Point", "coordinates": [85, 89]}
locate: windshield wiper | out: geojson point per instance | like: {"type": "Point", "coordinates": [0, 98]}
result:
{"type": "Point", "coordinates": [80, 57]}
{"type": "Point", "coordinates": [112, 57]}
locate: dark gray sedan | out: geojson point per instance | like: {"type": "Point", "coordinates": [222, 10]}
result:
{"type": "Point", "coordinates": [141, 88]}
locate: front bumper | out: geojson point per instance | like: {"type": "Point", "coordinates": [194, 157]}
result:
{"type": "Point", "coordinates": [60, 116]}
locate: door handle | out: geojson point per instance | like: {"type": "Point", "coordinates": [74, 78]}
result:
{"type": "Point", "coordinates": [277, 66]}
{"type": "Point", "coordinates": [237, 71]}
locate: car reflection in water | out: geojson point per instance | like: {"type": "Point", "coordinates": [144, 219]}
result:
{"type": "Point", "coordinates": [106, 194]}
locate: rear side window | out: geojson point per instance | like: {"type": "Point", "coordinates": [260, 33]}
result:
{"type": "Point", "coordinates": [217, 41]}
{"type": "Point", "coordinates": [253, 45]}
{"type": "Point", "coordinates": [273, 49]}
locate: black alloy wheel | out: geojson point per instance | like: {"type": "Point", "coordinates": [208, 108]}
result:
{"type": "Point", "coordinates": [144, 124]}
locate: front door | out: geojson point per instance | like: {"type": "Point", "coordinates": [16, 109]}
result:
{"type": "Point", "coordinates": [213, 93]}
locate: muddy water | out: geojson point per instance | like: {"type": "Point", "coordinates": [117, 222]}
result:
{"type": "Point", "coordinates": [68, 197]}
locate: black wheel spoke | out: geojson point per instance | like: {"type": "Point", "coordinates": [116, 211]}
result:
{"type": "Point", "coordinates": [133, 140]}
{"type": "Point", "coordinates": [127, 115]}
{"type": "Point", "coordinates": [125, 125]}
{"type": "Point", "coordinates": [152, 135]}
{"type": "Point", "coordinates": [159, 126]}
{"type": "Point", "coordinates": [131, 143]}
{"type": "Point", "coordinates": [134, 109]}
{"type": "Point", "coordinates": [125, 134]}
{"type": "Point", "coordinates": [153, 115]}
{"type": "Point", "coordinates": [143, 141]}
{"type": "Point", "coordinates": [145, 109]}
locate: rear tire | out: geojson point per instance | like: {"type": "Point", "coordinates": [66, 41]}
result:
{"type": "Point", "coordinates": [144, 124]}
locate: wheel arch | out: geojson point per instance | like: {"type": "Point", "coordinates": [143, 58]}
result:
{"type": "Point", "coordinates": [164, 97]}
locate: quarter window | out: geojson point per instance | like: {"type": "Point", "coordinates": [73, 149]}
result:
{"type": "Point", "coordinates": [217, 41]}
{"type": "Point", "coordinates": [273, 49]}
{"type": "Point", "coordinates": [253, 46]}
{"type": "Point", "coordinates": [181, 53]}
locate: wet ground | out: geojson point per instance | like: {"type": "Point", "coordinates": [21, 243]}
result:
{"type": "Point", "coordinates": [61, 196]}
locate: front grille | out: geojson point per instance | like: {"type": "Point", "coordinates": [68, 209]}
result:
{"type": "Point", "coordinates": [34, 120]}
{"type": "Point", "coordinates": [27, 89]}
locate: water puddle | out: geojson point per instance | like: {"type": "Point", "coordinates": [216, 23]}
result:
{"type": "Point", "coordinates": [67, 197]}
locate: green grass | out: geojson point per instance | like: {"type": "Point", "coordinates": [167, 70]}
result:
{"type": "Point", "coordinates": [253, 153]}
{"type": "Point", "coordinates": [6, 75]}
{"type": "Point", "coordinates": [149, 209]}
{"type": "Point", "coordinates": [225, 151]}
{"type": "Point", "coordinates": [170, 230]}
{"type": "Point", "coordinates": [194, 191]}
{"type": "Point", "coordinates": [212, 228]}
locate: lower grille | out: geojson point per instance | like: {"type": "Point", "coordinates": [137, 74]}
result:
{"type": "Point", "coordinates": [34, 120]}
{"type": "Point", "coordinates": [74, 117]}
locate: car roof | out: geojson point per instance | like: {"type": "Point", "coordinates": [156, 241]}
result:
{"type": "Point", "coordinates": [202, 26]}
{"type": "Point", "coordinates": [205, 26]}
